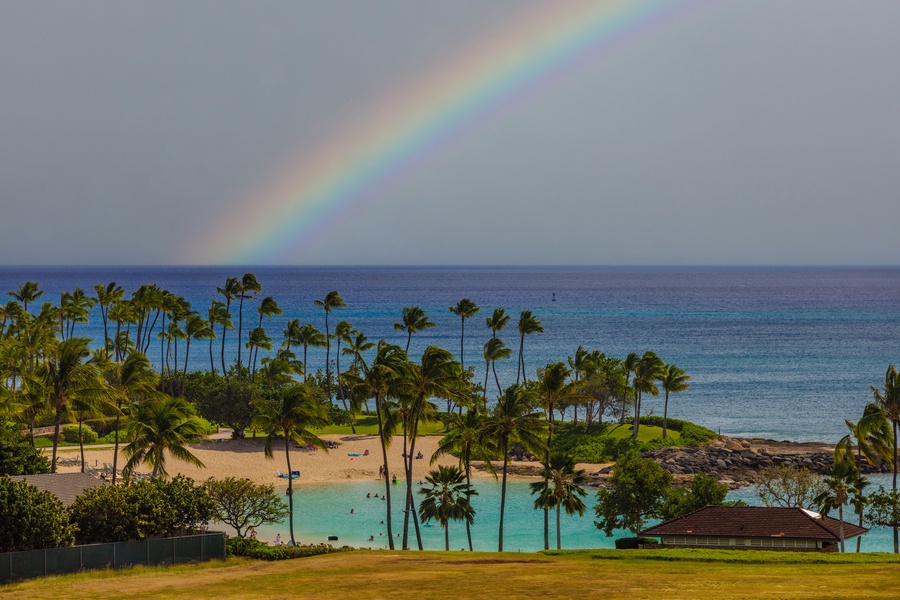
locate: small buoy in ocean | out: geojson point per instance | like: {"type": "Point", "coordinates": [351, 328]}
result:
{"type": "Point", "coordinates": [554, 296]}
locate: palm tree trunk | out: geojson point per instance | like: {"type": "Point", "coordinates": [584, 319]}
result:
{"type": "Point", "coordinates": [496, 379]}
{"type": "Point", "coordinates": [387, 477]}
{"type": "Point", "coordinates": [187, 350]}
{"type": "Point", "coordinates": [327, 357]}
{"type": "Point", "coordinates": [503, 494]}
{"type": "Point", "coordinates": [224, 370]}
{"type": "Point", "coordinates": [894, 468]}
{"type": "Point", "coordinates": [487, 372]}
{"type": "Point", "coordinates": [637, 416]}
{"type": "Point", "coordinates": [81, 441]}
{"type": "Point", "coordinates": [116, 448]}
{"type": "Point", "coordinates": [665, 414]}
{"type": "Point", "coordinates": [519, 363]}
{"type": "Point", "coordinates": [841, 526]}
{"type": "Point", "coordinates": [408, 499]}
{"type": "Point", "coordinates": [558, 536]}
{"type": "Point", "coordinates": [412, 502]}
{"type": "Point", "coordinates": [240, 334]}
{"type": "Point", "coordinates": [469, 501]}
{"type": "Point", "coordinates": [287, 455]}
{"type": "Point", "coordinates": [212, 366]}
{"type": "Point", "coordinates": [57, 421]}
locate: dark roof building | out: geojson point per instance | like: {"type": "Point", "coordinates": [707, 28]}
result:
{"type": "Point", "coordinates": [64, 486]}
{"type": "Point", "coordinates": [754, 527]}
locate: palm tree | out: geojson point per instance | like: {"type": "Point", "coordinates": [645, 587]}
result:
{"type": "Point", "coordinates": [528, 324]}
{"type": "Point", "coordinates": [292, 417]}
{"type": "Point", "coordinates": [331, 301]}
{"type": "Point", "coordinates": [291, 334]}
{"type": "Point", "coordinates": [28, 292]}
{"type": "Point", "coordinates": [646, 373]}
{"type": "Point", "coordinates": [195, 328]}
{"type": "Point", "coordinates": [158, 426]}
{"type": "Point", "coordinates": [513, 421]}
{"type": "Point", "coordinates": [497, 321]}
{"type": "Point", "coordinates": [494, 350]}
{"type": "Point", "coordinates": [673, 380]}
{"type": "Point", "coordinates": [343, 332]}
{"type": "Point", "coordinates": [447, 500]}
{"type": "Point", "coordinates": [106, 295]}
{"type": "Point", "coordinates": [230, 291]}
{"type": "Point", "coordinates": [840, 483]}
{"type": "Point", "coordinates": [463, 441]}
{"type": "Point", "coordinates": [217, 314]}
{"type": "Point", "coordinates": [309, 336]}
{"type": "Point", "coordinates": [66, 376]}
{"type": "Point", "coordinates": [248, 287]}
{"type": "Point", "coordinates": [414, 320]}
{"type": "Point", "coordinates": [885, 409]}
{"type": "Point", "coordinates": [357, 345]}
{"type": "Point", "coordinates": [130, 381]}
{"type": "Point", "coordinates": [629, 364]}
{"type": "Point", "coordinates": [564, 491]}
{"type": "Point", "coordinates": [554, 389]}
{"type": "Point", "coordinates": [381, 380]}
{"type": "Point", "coordinates": [464, 309]}
{"type": "Point", "coordinates": [438, 375]}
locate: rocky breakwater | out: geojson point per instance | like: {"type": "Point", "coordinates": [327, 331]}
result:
{"type": "Point", "coordinates": [737, 462]}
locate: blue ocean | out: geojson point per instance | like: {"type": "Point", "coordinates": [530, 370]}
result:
{"type": "Point", "coordinates": [783, 353]}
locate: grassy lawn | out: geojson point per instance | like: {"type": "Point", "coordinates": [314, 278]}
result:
{"type": "Point", "coordinates": [646, 433]}
{"type": "Point", "coordinates": [670, 574]}
{"type": "Point", "coordinates": [368, 425]}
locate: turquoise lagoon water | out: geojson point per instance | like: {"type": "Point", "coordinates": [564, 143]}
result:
{"type": "Point", "coordinates": [323, 510]}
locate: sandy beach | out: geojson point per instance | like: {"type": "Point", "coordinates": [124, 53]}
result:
{"type": "Point", "coordinates": [245, 458]}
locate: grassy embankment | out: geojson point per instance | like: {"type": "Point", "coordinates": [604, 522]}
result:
{"type": "Point", "coordinates": [670, 574]}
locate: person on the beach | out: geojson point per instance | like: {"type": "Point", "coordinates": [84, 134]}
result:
{"type": "Point", "coordinates": [277, 539]}
{"type": "Point", "coordinates": [253, 533]}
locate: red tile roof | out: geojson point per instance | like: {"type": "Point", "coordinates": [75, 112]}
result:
{"type": "Point", "coordinates": [755, 522]}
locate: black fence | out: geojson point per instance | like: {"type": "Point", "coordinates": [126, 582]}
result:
{"type": "Point", "coordinates": [158, 551]}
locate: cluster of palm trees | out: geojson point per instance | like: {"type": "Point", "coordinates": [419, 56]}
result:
{"type": "Point", "coordinates": [48, 374]}
{"type": "Point", "coordinates": [872, 439]}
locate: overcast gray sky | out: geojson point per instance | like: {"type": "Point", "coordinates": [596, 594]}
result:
{"type": "Point", "coordinates": [764, 132]}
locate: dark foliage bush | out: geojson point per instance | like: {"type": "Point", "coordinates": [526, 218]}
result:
{"type": "Point", "coordinates": [31, 519]}
{"type": "Point", "coordinates": [259, 550]}
{"type": "Point", "coordinates": [70, 434]}
{"type": "Point", "coordinates": [17, 456]}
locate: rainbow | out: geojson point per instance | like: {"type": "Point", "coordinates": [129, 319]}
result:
{"type": "Point", "coordinates": [546, 45]}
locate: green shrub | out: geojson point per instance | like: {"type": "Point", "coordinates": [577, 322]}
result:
{"type": "Point", "coordinates": [70, 434]}
{"type": "Point", "coordinates": [17, 456]}
{"type": "Point", "coordinates": [136, 510]}
{"type": "Point", "coordinates": [256, 549]}
{"type": "Point", "coordinates": [32, 519]}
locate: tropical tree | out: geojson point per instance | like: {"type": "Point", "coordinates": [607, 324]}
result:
{"type": "Point", "coordinates": [447, 499]}
{"type": "Point", "coordinates": [291, 334]}
{"type": "Point", "coordinates": [158, 426]}
{"type": "Point", "coordinates": [217, 314]}
{"type": "Point", "coordinates": [673, 380]}
{"type": "Point", "coordinates": [463, 440]}
{"type": "Point", "coordinates": [292, 417]}
{"type": "Point", "coordinates": [380, 381]}
{"type": "Point", "coordinates": [564, 490]}
{"type": "Point", "coordinates": [497, 321]}
{"type": "Point", "coordinates": [66, 376]}
{"type": "Point", "coordinates": [527, 325]}
{"type": "Point", "coordinates": [248, 287]}
{"type": "Point", "coordinates": [513, 420]}
{"type": "Point", "coordinates": [438, 375]}
{"type": "Point", "coordinates": [343, 332]}
{"type": "Point", "coordinates": [229, 291]}
{"type": "Point", "coordinates": [129, 381]}
{"type": "Point", "coordinates": [841, 483]}
{"type": "Point", "coordinates": [635, 492]}
{"type": "Point", "coordinates": [195, 328]}
{"type": "Point", "coordinates": [464, 309]}
{"type": "Point", "coordinates": [628, 365]}
{"type": "Point", "coordinates": [413, 321]}
{"type": "Point", "coordinates": [27, 293]}
{"type": "Point", "coordinates": [646, 373]}
{"type": "Point", "coordinates": [494, 350]}
{"type": "Point", "coordinates": [885, 409]}
{"type": "Point", "coordinates": [107, 295]}
{"type": "Point", "coordinates": [331, 301]}
{"type": "Point", "coordinates": [308, 336]}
